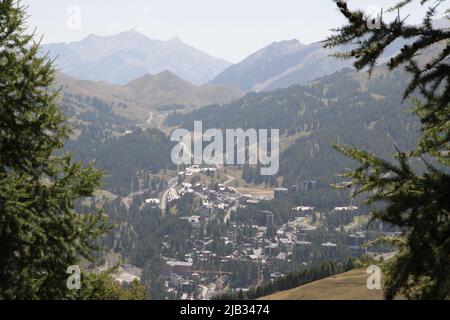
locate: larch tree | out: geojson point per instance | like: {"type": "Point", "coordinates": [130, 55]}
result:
{"type": "Point", "coordinates": [40, 233]}
{"type": "Point", "coordinates": [418, 201]}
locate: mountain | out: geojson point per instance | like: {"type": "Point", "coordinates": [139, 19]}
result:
{"type": "Point", "coordinates": [280, 65]}
{"type": "Point", "coordinates": [286, 63]}
{"type": "Point", "coordinates": [163, 91]}
{"type": "Point", "coordinates": [167, 89]}
{"type": "Point", "coordinates": [126, 56]}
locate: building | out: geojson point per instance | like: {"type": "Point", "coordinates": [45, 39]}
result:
{"type": "Point", "coordinates": [206, 211]}
{"type": "Point", "coordinates": [153, 202]}
{"type": "Point", "coordinates": [276, 275]}
{"type": "Point", "coordinates": [271, 249]}
{"type": "Point", "coordinates": [222, 282]}
{"type": "Point", "coordinates": [266, 218]}
{"type": "Point", "coordinates": [304, 186]}
{"type": "Point", "coordinates": [231, 190]}
{"type": "Point", "coordinates": [345, 209]}
{"type": "Point", "coordinates": [176, 280]}
{"type": "Point", "coordinates": [356, 239]}
{"type": "Point", "coordinates": [252, 202]}
{"type": "Point", "coordinates": [244, 197]}
{"type": "Point", "coordinates": [180, 177]}
{"type": "Point", "coordinates": [329, 245]}
{"type": "Point", "coordinates": [208, 171]}
{"type": "Point", "coordinates": [309, 186]}
{"type": "Point", "coordinates": [181, 284]}
{"type": "Point", "coordinates": [295, 188]}
{"type": "Point", "coordinates": [303, 211]}
{"type": "Point", "coordinates": [178, 267]}
{"type": "Point", "coordinates": [280, 193]}
{"type": "Point", "coordinates": [193, 220]}
{"type": "Point", "coordinates": [304, 243]}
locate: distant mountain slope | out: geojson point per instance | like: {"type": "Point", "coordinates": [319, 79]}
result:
{"type": "Point", "coordinates": [286, 63]}
{"type": "Point", "coordinates": [146, 94]}
{"type": "Point", "coordinates": [280, 64]}
{"type": "Point", "coordinates": [350, 285]}
{"type": "Point", "coordinates": [126, 56]}
{"type": "Point", "coordinates": [165, 89]}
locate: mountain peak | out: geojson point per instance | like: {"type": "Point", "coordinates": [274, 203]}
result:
{"type": "Point", "coordinates": [162, 79]}
{"type": "Point", "coordinates": [287, 42]}
{"type": "Point", "coordinates": [285, 46]}
{"type": "Point", "coordinates": [276, 50]}
{"type": "Point", "coordinates": [278, 65]}
{"type": "Point", "coordinates": [129, 34]}
{"type": "Point", "coordinates": [92, 36]}
{"type": "Point", "coordinates": [175, 40]}
{"type": "Point", "coordinates": [132, 32]}
{"type": "Point", "coordinates": [167, 74]}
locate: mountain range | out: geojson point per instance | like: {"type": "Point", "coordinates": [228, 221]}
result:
{"type": "Point", "coordinates": [121, 58]}
{"type": "Point", "coordinates": [286, 63]}
{"type": "Point", "coordinates": [124, 57]}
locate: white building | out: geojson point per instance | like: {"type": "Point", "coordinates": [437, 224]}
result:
{"type": "Point", "coordinates": [153, 202]}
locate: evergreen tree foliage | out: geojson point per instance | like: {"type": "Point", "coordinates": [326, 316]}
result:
{"type": "Point", "coordinates": [40, 233]}
{"type": "Point", "coordinates": [101, 286]}
{"type": "Point", "coordinates": [416, 200]}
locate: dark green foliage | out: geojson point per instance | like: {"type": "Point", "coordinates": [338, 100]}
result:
{"type": "Point", "coordinates": [143, 236]}
{"type": "Point", "coordinates": [128, 159]}
{"type": "Point", "coordinates": [40, 233]}
{"type": "Point", "coordinates": [338, 219]}
{"type": "Point", "coordinates": [101, 286]}
{"type": "Point", "coordinates": [417, 200]}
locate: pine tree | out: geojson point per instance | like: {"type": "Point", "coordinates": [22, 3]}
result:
{"type": "Point", "coordinates": [417, 201]}
{"type": "Point", "coordinates": [40, 233]}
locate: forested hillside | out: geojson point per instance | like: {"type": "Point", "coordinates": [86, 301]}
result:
{"type": "Point", "coordinates": [128, 154]}
{"type": "Point", "coordinates": [128, 160]}
{"type": "Point", "coordinates": [345, 107]}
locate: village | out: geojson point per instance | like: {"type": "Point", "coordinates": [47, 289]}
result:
{"type": "Point", "coordinates": [202, 273]}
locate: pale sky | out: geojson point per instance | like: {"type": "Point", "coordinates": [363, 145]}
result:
{"type": "Point", "coordinates": [228, 29]}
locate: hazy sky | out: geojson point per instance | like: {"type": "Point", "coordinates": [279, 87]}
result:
{"type": "Point", "coordinates": [229, 29]}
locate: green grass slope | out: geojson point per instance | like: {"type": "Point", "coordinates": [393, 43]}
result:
{"type": "Point", "coordinates": [350, 285]}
